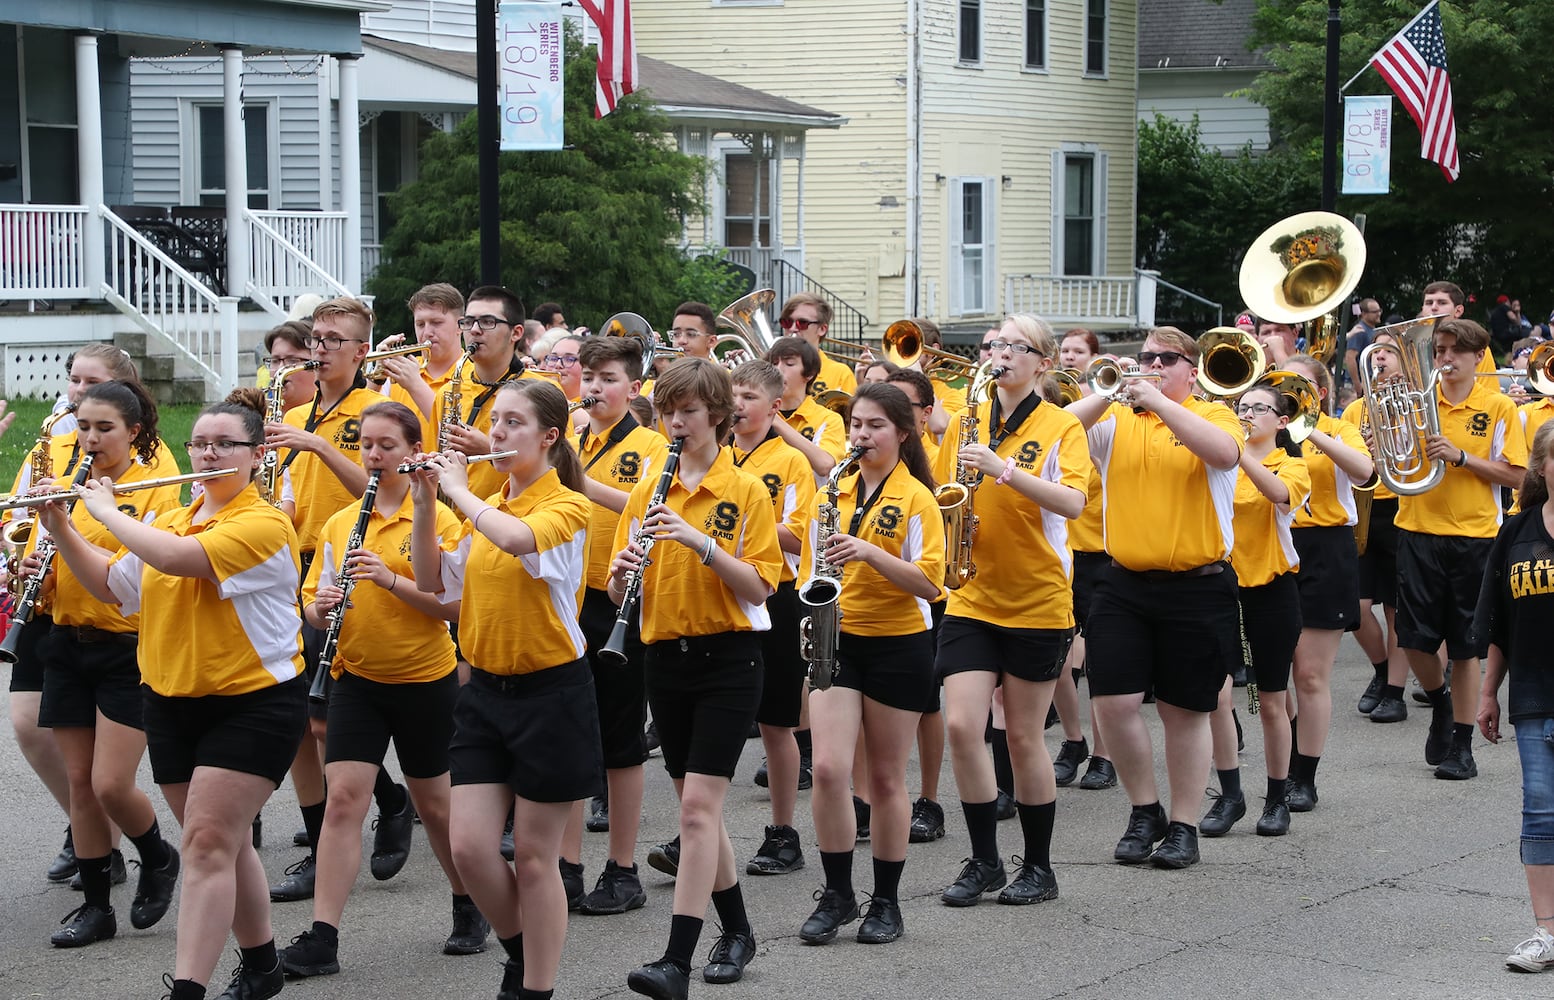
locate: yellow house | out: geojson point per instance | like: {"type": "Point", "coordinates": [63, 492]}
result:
{"type": "Point", "coordinates": [986, 165]}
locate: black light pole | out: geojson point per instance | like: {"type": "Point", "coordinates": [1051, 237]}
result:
{"type": "Point", "coordinates": [489, 140]}
{"type": "Point", "coordinates": [1330, 113]}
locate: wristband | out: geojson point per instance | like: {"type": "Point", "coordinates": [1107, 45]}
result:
{"type": "Point", "coordinates": [1462, 457]}
{"type": "Point", "coordinates": [393, 582]}
{"type": "Point", "coordinates": [1007, 474]}
{"type": "Point", "coordinates": [709, 552]}
{"type": "Point", "coordinates": [483, 513]}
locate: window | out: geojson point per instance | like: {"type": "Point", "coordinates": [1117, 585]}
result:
{"type": "Point", "coordinates": [211, 166]}
{"type": "Point", "coordinates": [970, 31]}
{"type": "Point", "coordinates": [1035, 34]}
{"type": "Point", "coordinates": [1095, 37]}
{"type": "Point", "coordinates": [971, 246]}
{"type": "Point", "coordinates": [1079, 210]}
{"type": "Point", "coordinates": [739, 201]}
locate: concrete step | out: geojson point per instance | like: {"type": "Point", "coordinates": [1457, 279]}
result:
{"type": "Point", "coordinates": [172, 391]}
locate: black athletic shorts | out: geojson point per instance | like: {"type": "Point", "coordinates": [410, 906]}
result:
{"type": "Point", "coordinates": [1328, 578]}
{"type": "Point", "coordinates": [253, 733]}
{"type": "Point", "coordinates": [365, 714]}
{"type": "Point", "coordinates": [618, 688]}
{"type": "Point", "coordinates": [894, 670]}
{"type": "Point", "coordinates": [935, 696]}
{"type": "Point", "coordinates": [1270, 616]}
{"type": "Point", "coordinates": [31, 650]}
{"type": "Point", "coordinates": [1379, 564]}
{"type": "Point", "coordinates": [783, 667]}
{"type": "Point", "coordinates": [1031, 654]}
{"type": "Point", "coordinates": [1088, 568]}
{"type": "Point", "coordinates": [537, 733]}
{"type": "Point", "coordinates": [1438, 585]}
{"type": "Point", "coordinates": [704, 691]}
{"type": "Point", "coordinates": [89, 671]}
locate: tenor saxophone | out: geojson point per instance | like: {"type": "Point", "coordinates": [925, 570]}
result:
{"type": "Point", "coordinates": [821, 631]}
{"type": "Point", "coordinates": [957, 499]}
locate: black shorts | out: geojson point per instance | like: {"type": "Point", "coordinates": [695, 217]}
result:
{"type": "Point", "coordinates": [1270, 616]}
{"type": "Point", "coordinates": [1031, 654]}
{"type": "Point", "coordinates": [536, 733]}
{"type": "Point", "coordinates": [1438, 584]}
{"type": "Point", "coordinates": [783, 668]}
{"type": "Point", "coordinates": [1088, 568]}
{"type": "Point", "coordinates": [704, 691]}
{"type": "Point", "coordinates": [618, 689]}
{"type": "Point", "coordinates": [1328, 580]}
{"type": "Point", "coordinates": [1177, 634]}
{"type": "Point", "coordinates": [82, 678]}
{"type": "Point", "coordinates": [365, 714]}
{"type": "Point", "coordinates": [894, 670]}
{"type": "Point", "coordinates": [253, 733]}
{"type": "Point", "coordinates": [27, 671]}
{"type": "Point", "coordinates": [935, 701]}
{"type": "Point", "coordinates": [1379, 564]}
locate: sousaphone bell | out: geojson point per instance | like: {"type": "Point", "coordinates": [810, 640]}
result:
{"type": "Point", "coordinates": [1301, 268]}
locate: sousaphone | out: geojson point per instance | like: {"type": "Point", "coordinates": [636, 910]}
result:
{"type": "Point", "coordinates": [1301, 268]}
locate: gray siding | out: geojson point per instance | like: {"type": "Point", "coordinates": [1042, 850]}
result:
{"type": "Point", "coordinates": [443, 24]}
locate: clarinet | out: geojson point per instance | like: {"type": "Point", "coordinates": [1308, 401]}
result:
{"type": "Point", "coordinates": [319, 692]}
{"type": "Point", "coordinates": [615, 648]}
{"type": "Point", "coordinates": [27, 604]}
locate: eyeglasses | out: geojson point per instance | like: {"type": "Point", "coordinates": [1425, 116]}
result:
{"type": "Point", "coordinates": [1166, 358]}
{"type": "Point", "coordinates": [223, 448]}
{"type": "Point", "coordinates": [1253, 409]}
{"type": "Point", "coordinates": [487, 322]}
{"type": "Point", "coordinates": [797, 324]}
{"type": "Point", "coordinates": [552, 360]}
{"type": "Point", "coordinates": [987, 347]}
{"type": "Point", "coordinates": [1004, 345]}
{"type": "Point", "coordinates": [687, 332]}
{"type": "Point", "coordinates": [331, 343]}
{"type": "Point", "coordinates": [919, 406]}
{"type": "Point", "coordinates": [276, 362]}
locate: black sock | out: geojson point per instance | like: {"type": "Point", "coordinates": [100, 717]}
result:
{"type": "Point", "coordinates": [982, 827]}
{"type": "Point", "coordinates": [730, 904]}
{"type": "Point", "coordinates": [801, 737]}
{"type": "Point", "coordinates": [684, 932]}
{"type": "Point", "coordinates": [1276, 789]}
{"type": "Point", "coordinates": [1439, 699]}
{"type": "Point", "coordinates": [1381, 671]}
{"type": "Point", "coordinates": [313, 819]}
{"type": "Point", "coordinates": [153, 849]}
{"type": "Point", "coordinates": [838, 866]}
{"type": "Point", "coordinates": [94, 879]}
{"type": "Point", "coordinates": [327, 933]}
{"type": "Point", "coordinates": [1003, 768]}
{"type": "Point", "coordinates": [1393, 691]}
{"type": "Point", "coordinates": [514, 947]}
{"type": "Point", "coordinates": [1461, 734]}
{"type": "Point", "coordinates": [1303, 768]}
{"type": "Point", "coordinates": [260, 958]}
{"type": "Point", "coordinates": [1230, 782]}
{"type": "Point", "coordinates": [524, 993]}
{"type": "Point", "coordinates": [1078, 672]}
{"type": "Point", "coordinates": [187, 989]}
{"type": "Point", "coordinates": [1294, 738]}
{"type": "Point", "coordinates": [887, 879]}
{"type": "Point", "coordinates": [388, 793]}
{"type": "Point", "coordinates": [462, 900]}
{"type": "Point", "coordinates": [1036, 823]}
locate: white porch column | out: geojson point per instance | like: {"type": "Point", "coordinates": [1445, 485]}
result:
{"type": "Point", "coordinates": [350, 172]}
{"type": "Point", "coordinates": [89, 158]}
{"type": "Point", "coordinates": [235, 148]}
{"type": "Point", "coordinates": [326, 168]}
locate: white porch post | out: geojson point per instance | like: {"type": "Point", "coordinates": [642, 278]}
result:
{"type": "Point", "coordinates": [89, 158]}
{"type": "Point", "coordinates": [326, 184]}
{"type": "Point", "coordinates": [235, 147]}
{"type": "Point", "coordinates": [350, 172]}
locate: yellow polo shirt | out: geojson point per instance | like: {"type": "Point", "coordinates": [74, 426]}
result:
{"type": "Point", "coordinates": [381, 637]}
{"type": "Point", "coordinates": [680, 596]}
{"type": "Point", "coordinates": [1086, 533]}
{"type": "Point", "coordinates": [438, 384]}
{"type": "Point", "coordinates": [1484, 424]}
{"type": "Point", "coordinates": [475, 411]}
{"type": "Point", "coordinates": [637, 456]}
{"type": "Point", "coordinates": [1331, 502]}
{"type": "Point", "coordinates": [1534, 415]}
{"type": "Point", "coordinates": [1264, 548]}
{"type": "Point", "coordinates": [820, 425]}
{"type": "Point", "coordinates": [319, 493]}
{"type": "Point", "coordinates": [789, 478]}
{"type": "Point", "coordinates": [1357, 415]}
{"type": "Point", "coordinates": [834, 374]}
{"type": "Point", "coordinates": [238, 634]}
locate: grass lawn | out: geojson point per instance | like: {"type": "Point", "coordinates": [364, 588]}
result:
{"type": "Point", "coordinates": [173, 425]}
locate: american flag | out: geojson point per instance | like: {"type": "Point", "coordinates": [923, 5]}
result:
{"type": "Point", "coordinates": [617, 74]}
{"type": "Point", "coordinates": [1414, 66]}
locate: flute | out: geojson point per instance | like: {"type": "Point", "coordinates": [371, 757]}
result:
{"type": "Point", "coordinates": [418, 466]}
{"type": "Point", "coordinates": [11, 503]}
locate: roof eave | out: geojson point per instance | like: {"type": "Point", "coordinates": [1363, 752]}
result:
{"type": "Point", "coordinates": [723, 116]}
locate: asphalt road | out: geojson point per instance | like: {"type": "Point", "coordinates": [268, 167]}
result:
{"type": "Point", "coordinates": [1398, 885]}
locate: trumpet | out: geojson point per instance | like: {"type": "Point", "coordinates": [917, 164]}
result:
{"type": "Point", "coordinates": [74, 493]}
{"type": "Point", "coordinates": [374, 370]}
{"type": "Point", "coordinates": [495, 456]}
{"type": "Point", "coordinates": [1107, 376]}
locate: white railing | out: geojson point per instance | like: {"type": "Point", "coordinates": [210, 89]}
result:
{"type": "Point", "coordinates": [1062, 299]}
{"type": "Point", "coordinates": [759, 259]}
{"type": "Point", "coordinates": [41, 252]}
{"type": "Point", "coordinates": [320, 236]}
{"type": "Point", "coordinates": [279, 271]}
{"type": "Point", "coordinates": [372, 259]}
{"type": "Point", "coordinates": [167, 301]}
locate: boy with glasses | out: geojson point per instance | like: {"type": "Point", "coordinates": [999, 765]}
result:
{"type": "Point", "coordinates": [492, 325]}
{"type": "Point", "coordinates": [809, 316]}
{"type": "Point", "coordinates": [694, 330]}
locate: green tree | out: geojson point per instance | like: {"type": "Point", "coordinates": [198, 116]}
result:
{"type": "Point", "coordinates": [1486, 231]}
{"type": "Point", "coordinates": [594, 227]}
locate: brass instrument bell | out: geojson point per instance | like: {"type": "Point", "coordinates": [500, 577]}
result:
{"type": "Point", "coordinates": [1302, 267]}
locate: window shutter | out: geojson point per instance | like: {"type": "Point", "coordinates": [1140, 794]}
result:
{"type": "Point", "coordinates": [1101, 182]}
{"type": "Point", "coordinates": [989, 244]}
{"type": "Point", "coordinates": [956, 230]}
{"type": "Point", "coordinates": [1055, 261]}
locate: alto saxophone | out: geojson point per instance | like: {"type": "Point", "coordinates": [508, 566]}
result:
{"type": "Point", "coordinates": [956, 503]}
{"type": "Point", "coordinates": [452, 400]}
{"type": "Point", "coordinates": [821, 631]}
{"type": "Point", "coordinates": [17, 533]}
{"type": "Point", "coordinates": [274, 413]}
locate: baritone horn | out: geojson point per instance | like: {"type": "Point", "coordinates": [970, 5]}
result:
{"type": "Point", "coordinates": [1402, 409]}
{"type": "Point", "coordinates": [751, 322]}
{"type": "Point", "coordinates": [1302, 268]}
{"type": "Point", "coordinates": [1302, 392]}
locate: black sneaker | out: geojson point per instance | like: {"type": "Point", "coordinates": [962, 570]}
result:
{"type": "Point", "coordinates": [1101, 773]}
{"type": "Point", "coordinates": [1179, 849]}
{"type": "Point", "coordinates": [250, 984]}
{"type": "Point", "coordinates": [761, 777]}
{"type": "Point", "coordinates": [572, 882]}
{"type": "Point", "coordinates": [1275, 820]}
{"type": "Point", "coordinates": [1458, 764]}
{"type": "Point", "coordinates": [1438, 742]}
{"type": "Point", "coordinates": [257, 831]}
{"type": "Point", "coordinates": [1006, 807]}
{"type": "Point", "coordinates": [507, 839]}
{"type": "Point", "coordinates": [309, 955]}
{"type": "Point", "coordinates": [1065, 766]}
{"type": "Point", "coordinates": [729, 955]}
{"type": "Point", "coordinates": [661, 980]}
{"type": "Point", "coordinates": [512, 980]}
{"type": "Point", "coordinates": [1389, 710]}
{"type": "Point", "coordinates": [806, 770]}
{"type": "Point", "coordinates": [1146, 825]}
{"type": "Point", "coordinates": [666, 857]}
{"type": "Point", "coordinates": [927, 821]}
{"type": "Point", "coordinates": [598, 820]}
{"type": "Point", "coordinates": [650, 739]}
{"type": "Point", "coordinates": [978, 876]}
{"type": "Point", "coordinates": [63, 867]}
{"type": "Point", "coordinates": [862, 812]}
{"type": "Point", "coordinates": [1417, 693]}
{"type": "Point", "coordinates": [881, 922]}
{"type": "Point", "coordinates": [85, 925]}
{"type": "Point", "coordinates": [117, 873]}
{"type": "Point", "coordinates": [1033, 884]}
{"type": "Point", "coordinates": [1372, 696]}
{"type": "Point", "coordinates": [298, 883]}
{"type": "Point", "coordinates": [834, 911]}
{"type": "Point", "coordinates": [470, 930]}
{"type": "Point", "coordinates": [780, 853]}
{"type": "Point", "coordinates": [1302, 797]}
{"type": "Point", "coordinates": [154, 891]}
{"type": "Point", "coordinates": [300, 838]}
{"type": "Point", "coordinates": [391, 840]}
{"type": "Point", "coordinates": [1222, 815]}
{"type": "Point", "coordinates": [618, 890]}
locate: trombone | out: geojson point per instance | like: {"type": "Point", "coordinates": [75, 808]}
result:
{"type": "Point", "coordinates": [905, 347]}
{"type": "Point", "coordinates": [374, 367]}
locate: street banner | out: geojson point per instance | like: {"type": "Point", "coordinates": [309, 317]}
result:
{"type": "Point", "coordinates": [1367, 125]}
{"type": "Point", "coordinates": [532, 76]}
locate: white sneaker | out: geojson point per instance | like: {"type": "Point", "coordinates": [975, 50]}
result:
{"type": "Point", "coordinates": [1535, 954]}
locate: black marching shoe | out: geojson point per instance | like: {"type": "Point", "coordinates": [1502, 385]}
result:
{"type": "Point", "coordinates": [300, 838]}
{"type": "Point", "coordinates": [1101, 773]}
{"type": "Point", "coordinates": [251, 984]}
{"type": "Point", "coordinates": [598, 820]}
{"type": "Point", "coordinates": [1146, 825]}
{"type": "Point", "coordinates": [806, 770]}
{"type": "Point", "coordinates": [1222, 815]}
{"type": "Point", "coordinates": [1033, 884]}
{"type": "Point", "coordinates": [507, 839]}
{"type": "Point", "coordinates": [617, 890]}
{"type": "Point", "coordinates": [1179, 849]}
{"type": "Point", "coordinates": [650, 739]}
{"type": "Point", "coordinates": [1438, 742]}
{"type": "Point", "coordinates": [762, 778]}
{"type": "Point", "coordinates": [780, 853]}
{"type": "Point", "coordinates": [257, 831]}
{"type": "Point", "coordinates": [1275, 820]}
{"type": "Point", "coordinates": [1006, 806]}
{"type": "Point", "coordinates": [572, 882]}
{"type": "Point", "coordinates": [862, 813]}
{"type": "Point", "coordinates": [63, 867]}
{"type": "Point", "coordinates": [1065, 766]}
{"type": "Point", "coordinates": [1458, 764]}
{"type": "Point", "coordinates": [117, 873]}
{"type": "Point", "coordinates": [298, 883]}
{"type": "Point", "coordinates": [1389, 710]}
{"type": "Point", "coordinates": [1302, 797]}
{"type": "Point", "coordinates": [309, 955]}
{"type": "Point", "coordinates": [729, 955]}
{"type": "Point", "coordinates": [927, 821]}
{"type": "Point", "coordinates": [154, 891]}
{"type": "Point", "coordinates": [391, 840]}
{"type": "Point", "coordinates": [661, 980]}
{"type": "Point", "coordinates": [978, 876]}
{"type": "Point", "coordinates": [85, 925]}
{"type": "Point", "coordinates": [881, 922]}
{"type": "Point", "coordinates": [834, 911]}
{"type": "Point", "coordinates": [512, 980]}
{"type": "Point", "coordinates": [666, 858]}
{"type": "Point", "coordinates": [470, 931]}
{"type": "Point", "coordinates": [1372, 696]}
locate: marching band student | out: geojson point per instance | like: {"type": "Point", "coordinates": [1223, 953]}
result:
{"type": "Point", "coordinates": [435, 311]}
{"type": "Point", "coordinates": [223, 696]}
{"type": "Point", "coordinates": [1010, 625]}
{"type": "Point", "coordinates": [617, 453]}
{"type": "Point", "coordinates": [1273, 481]}
{"type": "Point", "coordinates": [405, 695]}
{"type": "Point", "coordinates": [694, 330]}
{"type": "Point", "coordinates": [492, 326]}
{"type": "Point", "coordinates": [819, 434]}
{"type": "Point", "coordinates": [715, 561]}
{"type": "Point", "coordinates": [808, 316]}
{"type": "Point", "coordinates": [759, 449]}
{"type": "Point", "coordinates": [889, 544]}
{"type": "Point", "coordinates": [1338, 461]}
{"type": "Point", "coordinates": [1164, 615]}
{"type": "Point", "coordinates": [91, 685]}
{"type": "Point", "coordinates": [526, 724]}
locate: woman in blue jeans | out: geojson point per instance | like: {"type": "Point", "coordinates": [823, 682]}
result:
{"type": "Point", "coordinates": [1514, 609]}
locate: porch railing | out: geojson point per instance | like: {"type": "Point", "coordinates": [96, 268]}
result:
{"type": "Point", "coordinates": [372, 259]}
{"type": "Point", "coordinates": [1065, 299]}
{"type": "Point", "coordinates": [40, 252]}
{"type": "Point", "coordinates": [847, 323]}
{"type": "Point", "coordinates": [320, 236]}
{"type": "Point", "coordinates": [279, 270]}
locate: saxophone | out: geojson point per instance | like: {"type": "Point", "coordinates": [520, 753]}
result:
{"type": "Point", "coordinates": [452, 400]}
{"type": "Point", "coordinates": [956, 499]}
{"type": "Point", "coordinates": [821, 631]}
{"type": "Point", "coordinates": [32, 592]}
{"type": "Point", "coordinates": [318, 692]}
{"type": "Point", "coordinates": [274, 413]}
{"type": "Point", "coordinates": [17, 532]}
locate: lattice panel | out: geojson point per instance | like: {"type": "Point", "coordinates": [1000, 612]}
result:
{"type": "Point", "coordinates": [35, 370]}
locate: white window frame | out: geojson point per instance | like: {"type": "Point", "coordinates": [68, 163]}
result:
{"type": "Point", "coordinates": [1046, 37]}
{"type": "Point", "coordinates": [189, 156]}
{"type": "Point", "coordinates": [1098, 202]}
{"type": "Point", "coordinates": [981, 35]}
{"type": "Point", "coordinates": [1106, 29]}
{"type": "Point", "coordinates": [724, 152]}
{"type": "Point", "coordinates": [959, 305]}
